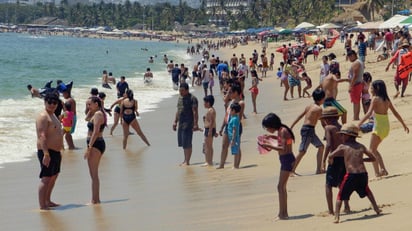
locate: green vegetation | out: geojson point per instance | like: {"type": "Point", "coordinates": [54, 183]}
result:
{"type": "Point", "coordinates": [163, 16]}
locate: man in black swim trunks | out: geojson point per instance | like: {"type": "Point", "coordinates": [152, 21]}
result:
{"type": "Point", "coordinates": [49, 144]}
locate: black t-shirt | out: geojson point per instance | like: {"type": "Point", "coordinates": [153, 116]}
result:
{"type": "Point", "coordinates": [122, 87]}
{"type": "Point", "coordinates": [175, 74]}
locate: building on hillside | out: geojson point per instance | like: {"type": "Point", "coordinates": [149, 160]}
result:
{"type": "Point", "coordinates": [217, 10]}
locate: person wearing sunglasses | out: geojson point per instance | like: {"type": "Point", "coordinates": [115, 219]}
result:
{"type": "Point", "coordinates": [49, 143]}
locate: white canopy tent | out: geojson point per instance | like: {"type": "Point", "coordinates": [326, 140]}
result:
{"type": "Point", "coordinates": [393, 22]}
{"type": "Point", "coordinates": [305, 25]}
{"type": "Point", "coordinates": [370, 25]}
{"type": "Point", "coordinates": [328, 26]}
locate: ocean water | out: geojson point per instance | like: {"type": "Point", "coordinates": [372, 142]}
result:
{"type": "Point", "coordinates": [34, 60]}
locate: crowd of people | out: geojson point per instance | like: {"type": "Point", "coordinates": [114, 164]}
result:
{"type": "Point", "coordinates": [339, 147]}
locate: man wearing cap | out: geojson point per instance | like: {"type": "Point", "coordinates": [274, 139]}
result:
{"type": "Point", "coordinates": [398, 80]}
{"type": "Point", "coordinates": [355, 77]}
{"type": "Point", "coordinates": [356, 178]}
{"type": "Point", "coordinates": [49, 143]}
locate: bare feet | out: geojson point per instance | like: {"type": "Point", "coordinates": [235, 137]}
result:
{"type": "Point", "coordinates": [321, 171]}
{"type": "Point", "coordinates": [396, 95]}
{"type": "Point", "coordinates": [184, 164]}
{"type": "Point", "coordinates": [52, 204]}
{"type": "Point", "coordinates": [336, 220]}
{"type": "Point", "coordinates": [378, 211]}
{"type": "Point", "coordinates": [220, 167]}
{"type": "Point", "coordinates": [383, 172]}
{"type": "Point", "coordinates": [293, 174]}
{"type": "Point", "coordinates": [282, 218]}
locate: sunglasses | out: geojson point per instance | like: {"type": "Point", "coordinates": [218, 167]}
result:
{"type": "Point", "coordinates": [52, 102]}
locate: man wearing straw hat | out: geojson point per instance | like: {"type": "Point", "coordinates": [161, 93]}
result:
{"type": "Point", "coordinates": [356, 178]}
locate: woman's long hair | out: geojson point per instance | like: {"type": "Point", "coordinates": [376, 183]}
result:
{"type": "Point", "coordinates": [379, 88]}
{"type": "Point", "coordinates": [97, 100]}
{"type": "Point", "coordinates": [130, 95]}
{"type": "Point", "coordinates": [271, 120]}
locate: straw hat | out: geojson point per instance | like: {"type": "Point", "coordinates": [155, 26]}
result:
{"type": "Point", "coordinates": [350, 130]}
{"type": "Point", "coordinates": [404, 44]}
{"type": "Point", "coordinates": [330, 112]}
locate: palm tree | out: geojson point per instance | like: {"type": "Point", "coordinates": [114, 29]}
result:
{"type": "Point", "coordinates": [373, 6]}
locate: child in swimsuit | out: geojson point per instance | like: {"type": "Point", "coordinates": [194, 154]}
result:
{"type": "Point", "coordinates": [285, 139]}
{"type": "Point", "coordinates": [308, 81]}
{"type": "Point", "coordinates": [210, 129]}
{"type": "Point", "coordinates": [380, 104]}
{"type": "Point", "coordinates": [67, 118]}
{"type": "Point", "coordinates": [254, 90]}
{"type": "Point", "coordinates": [233, 128]}
{"type": "Point", "coordinates": [383, 56]}
{"type": "Point", "coordinates": [366, 97]}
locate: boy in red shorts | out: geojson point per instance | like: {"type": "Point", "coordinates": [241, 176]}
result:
{"type": "Point", "coordinates": [356, 178]}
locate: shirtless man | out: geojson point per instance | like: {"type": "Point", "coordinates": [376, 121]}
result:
{"type": "Point", "coordinates": [312, 114]}
{"type": "Point", "coordinates": [355, 77]}
{"type": "Point", "coordinates": [356, 178]}
{"type": "Point", "coordinates": [107, 79]}
{"type": "Point", "coordinates": [49, 143]}
{"type": "Point", "coordinates": [330, 87]}
{"type": "Point", "coordinates": [34, 91]}
{"type": "Point", "coordinates": [165, 59]}
{"type": "Point", "coordinates": [148, 76]}
{"type": "Point", "coordinates": [234, 62]}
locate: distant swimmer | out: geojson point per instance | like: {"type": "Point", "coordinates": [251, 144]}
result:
{"type": "Point", "coordinates": [107, 79]}
{"type": "Point", "coordinates": [165, 59]}
{"type": "Point", "coordinates": [144, 49]}
{"type": "Point", "coordinates": [151, 60]}
{"type": "Point", "coordinates": [34, 91]}
{"type": "Point", "coordinates": [148, 76]}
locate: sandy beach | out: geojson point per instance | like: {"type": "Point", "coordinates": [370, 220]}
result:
{"type": "Point", "coordinates": [143, 188]}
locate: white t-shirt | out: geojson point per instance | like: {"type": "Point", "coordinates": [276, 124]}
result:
{"type": "Point", "coordinates": [324, 71]}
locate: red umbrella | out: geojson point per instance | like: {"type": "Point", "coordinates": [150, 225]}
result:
{"type": "Point", "coordinates": [263, 33]}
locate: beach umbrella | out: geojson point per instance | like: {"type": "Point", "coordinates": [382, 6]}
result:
{"type": "Point", "coordinates": [263, 33]}
{"type": "Point", "coordinates": [407, 21]}
{"type": "Point", "coordinates": [305, 25]}
{"type": "Point", "coordinates": [299, 30]}
{"type": "Point", "coordinates": [285, 31]}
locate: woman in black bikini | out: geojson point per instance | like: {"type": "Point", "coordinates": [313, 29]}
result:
{"type": "Point", "coordinates": [95, 143]}
{"type": "Point", "coordinates": [128, 111]}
